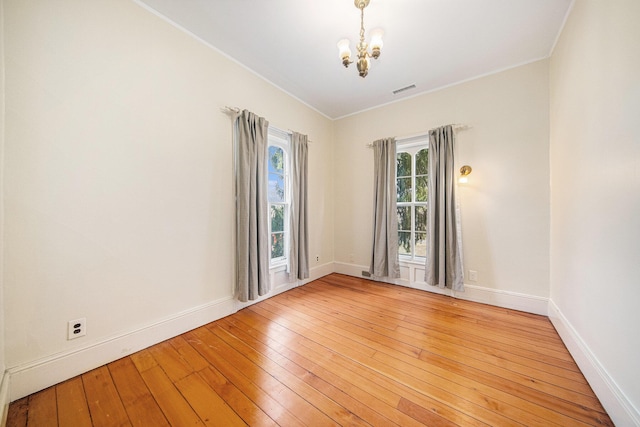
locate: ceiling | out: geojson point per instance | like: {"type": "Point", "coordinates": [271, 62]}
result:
{"type": "Point", "coordinates": [429, 43]}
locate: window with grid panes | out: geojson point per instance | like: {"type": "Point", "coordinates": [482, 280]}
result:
{"type": "Point", "coordinates": [278, 196]}
{"type": "Point", "coordinates": [412, 164]}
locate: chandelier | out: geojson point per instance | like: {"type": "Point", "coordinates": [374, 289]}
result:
{"type": "Point", "coordinates": [363, 52]}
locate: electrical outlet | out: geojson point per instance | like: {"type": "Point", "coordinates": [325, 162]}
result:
{"type": "Point", "coordinates": [473, 275]}
{"type": "Point", "coordinates": [317, 258]}
{"type": "Point", "coordinates": [76, 328]}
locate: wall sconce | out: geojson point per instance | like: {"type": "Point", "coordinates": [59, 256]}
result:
{"type": "Point", "coordinates": [464, 172]}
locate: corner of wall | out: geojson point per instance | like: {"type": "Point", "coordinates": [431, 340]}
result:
{"type": "Point", "coordinates": [31, 377]}
{"type": "Point", "coordinates": [616, 403]}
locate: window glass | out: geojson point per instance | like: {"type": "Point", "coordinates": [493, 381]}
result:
{"type": "Point", "coordinates": [277, 218]}
{"type": "Point", "coordinates": [276, 190]}
{"type": "Point", "coordinates": [403, 186]}
{"type": "Point", "coordinates": [404, 229]}
{"type": "Point", "coordinates": [421, 218]}
{"type": "Point", "coordinates": [404, 164]}
{"type": "Point", "coordinates": [422, 162]}
{"type": "Point", "coordinates": [420, 245]}
{"type": "Point", "coordinates": [420, 240]}
{"type": "Point", "coordinates": [422, 166]}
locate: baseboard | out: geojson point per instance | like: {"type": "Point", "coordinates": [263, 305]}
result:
{"type": "Point", "coordinates": [616, 403]}
{"type": "Point", "coordinates": [40, 374]}
{"type": "Point", "coordinates": [280, 283]}
{"type": "Point", "coordinates": [319, 271]}
{"type": "Point", "coordinates": [350, 269]}
{"type": "Point", "coordinates": [4, 398]}
{"type": "Point", "coordinates": [505, 299]}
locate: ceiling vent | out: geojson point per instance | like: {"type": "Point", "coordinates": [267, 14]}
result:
{"type": "Point", "coordinates": [402, 89]}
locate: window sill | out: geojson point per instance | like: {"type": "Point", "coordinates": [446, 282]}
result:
{"type": "Point", "coordinates": [412, 261]}
{"type": "Point", "coordinates": [275, 268]}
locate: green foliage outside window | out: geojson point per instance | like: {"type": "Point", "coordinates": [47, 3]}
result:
{"type": "Point", "coordinates": [422, 169]}
{"type": "Point", "coordinates": [277, 245]}
{"type": "Point", "coordinates": [403, 162]}
{"type": "Point", "coordinates": [277, 218]}
{"type": "Point", "coordinates": [276, 174]}
{"type": "Point", "coordinates": [403, 183]}
{"type": "Point", "coordinates": [277, 231]}
{"type": "Point", "coordinates": [277, 198]}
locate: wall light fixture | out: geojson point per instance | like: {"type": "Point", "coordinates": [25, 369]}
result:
{"type": "Point", "coordinates": [464, 172]}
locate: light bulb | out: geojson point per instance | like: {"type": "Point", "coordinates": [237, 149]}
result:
{"type": "Point", "coordinates": [343, 49]}
{"type": "Point", "coordinates": [376, 38]}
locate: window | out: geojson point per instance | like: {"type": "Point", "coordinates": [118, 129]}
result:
{"type": "Point", "coordinates": [412, 162]}
{"type": "Point", "coordinates": [278, 196]}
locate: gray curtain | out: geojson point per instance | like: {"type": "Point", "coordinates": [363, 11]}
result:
{"type": "Point", "coordinates": [252, 226]}
{"type": "Point", "coordinates": [444, 250]}
{"type": "Point", "coordinates": [299, 243]}
{"type": "Point", "coordinates": [384, 257]}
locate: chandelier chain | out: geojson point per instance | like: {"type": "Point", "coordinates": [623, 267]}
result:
{"type": "Point", "coordinates": [361, 26]}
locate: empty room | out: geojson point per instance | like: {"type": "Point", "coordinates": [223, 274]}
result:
{"type": "Point", "coordinates": [340, 212]}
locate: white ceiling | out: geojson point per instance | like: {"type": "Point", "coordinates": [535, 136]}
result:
{"type": "Point", "coordinates": [429, 43]}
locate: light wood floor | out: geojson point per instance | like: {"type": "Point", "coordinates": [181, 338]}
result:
{"type": "Point", "coordinates": [337, 351]}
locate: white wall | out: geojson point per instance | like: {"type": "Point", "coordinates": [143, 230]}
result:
{"type": "Point", "coordinates": [118, 176]}
{"type": "Point", "coordinates": [595, 194]}
{"type": "Point", "coordinates": [505, 205]}
{"type": "Point", "coordinates": [4, 382]}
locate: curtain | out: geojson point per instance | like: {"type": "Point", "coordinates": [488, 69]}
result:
{"type": "Point", "coordinates": [252, 226]}
{"type": "Point", "coordinates": [384, 257]}
{"type": "Point", "coordinates": [444, 249]}
{"type": "Point", "coordinates": [299, 241]}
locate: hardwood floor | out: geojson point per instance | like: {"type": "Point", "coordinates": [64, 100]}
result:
{"type": "Point", "coordinates": [337, 351]}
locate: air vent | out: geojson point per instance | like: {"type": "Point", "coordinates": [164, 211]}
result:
{"type": "Point", "coordinates": [402, 89]}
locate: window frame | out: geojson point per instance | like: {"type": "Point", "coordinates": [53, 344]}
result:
{"type": "Point", "coordinates": [282, 140]}
{"type": "Point", "coordinates": [412, 146]}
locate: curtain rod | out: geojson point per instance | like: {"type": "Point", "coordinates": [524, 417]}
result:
{"type": "Point", "coordinates": [229, 110]}
{"type": "Point", "coordinates": [234, 111]}
{"type": "Point", "coordinates": [456, 127]}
